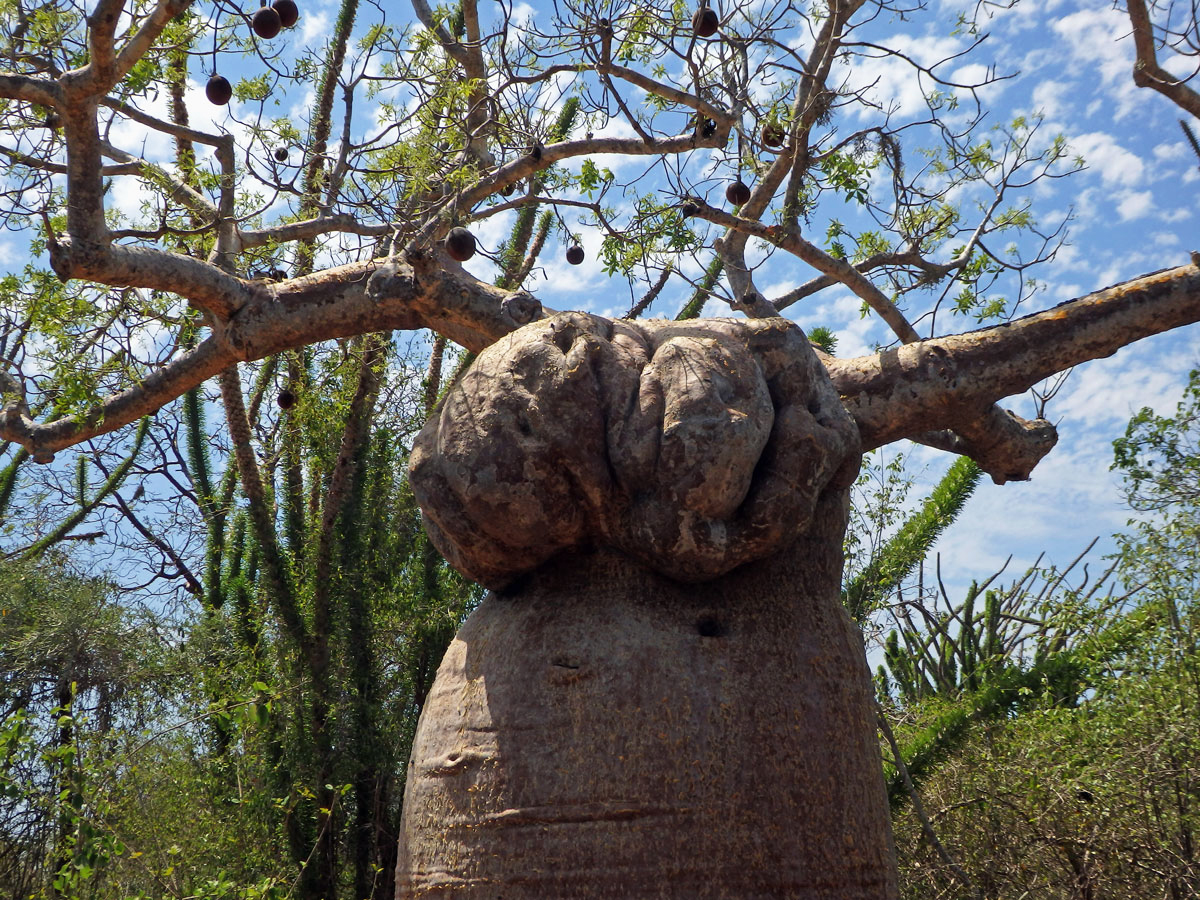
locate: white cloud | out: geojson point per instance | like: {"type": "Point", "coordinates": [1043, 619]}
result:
{"type": "Point", "coordinates": [1102, 153]}
{"type": "Point", "coordinates": [1176, 215]}
{"type": "Point", "coordinates": [1171, 150]}
{"type": "Point", "coordinates": [1097, 39]}
{"type": "Point", "coordinates": [1051, 98]}
{"type": "Point", "coordinates": [1135, 205]}
{"type": "Point", "coordinates": [314, 27]}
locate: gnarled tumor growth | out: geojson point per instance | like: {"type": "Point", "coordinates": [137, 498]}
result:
{"type": "Point", "coordinates": [692, 447]}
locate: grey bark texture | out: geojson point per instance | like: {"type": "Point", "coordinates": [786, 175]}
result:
{"type": "Point", "coordinates": [693, 447]}
{"type": "Point", "coordinates": [662, 696]}
{"type": "Point", "coordinates": [607, 732]}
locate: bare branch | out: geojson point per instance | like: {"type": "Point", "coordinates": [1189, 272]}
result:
{"type": "Point", "coordinates": [1147, 72]}
{"type": "Point", "coordinates": [177, 131]}
{"type": "Point", "coordinates": [837, 269]}
{"type": "Point", "coordinates": [947, 382]}
{"type": "Point", "coordinates": [311, 229]}
{"type": "Point", "coordinates": [33, 90]}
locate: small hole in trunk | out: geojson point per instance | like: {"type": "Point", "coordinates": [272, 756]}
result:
{"type": "Point", "coordinates": [708, 626]}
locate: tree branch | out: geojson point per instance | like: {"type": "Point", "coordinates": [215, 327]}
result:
{"type": "Point", "coordinates": [33, 90]}
{"type": "Point", "coordinates": [310, 229]}
{"type": "Point", "coordinates": [1147, 72]}
{"type": "Point", "coordinates": [923, 387]}
{"type": "Point", "coordinates": [837, 269]}
{"type": "Point", "coordinates": [948, 382]}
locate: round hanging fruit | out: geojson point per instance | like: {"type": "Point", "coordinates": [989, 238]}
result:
{"type": "Point", "coordinates": [705, 22]}
{"type": "Point", "coordinates": [266, 22]}
{"type": "Point", "coordinates": [574, 254]}
{"type": "Point", "coordinates": [289, 12]}
{"type": "Point", "coordinates": [737, 193]}
{"type": "Point", "coordinates": [218, 90]}
{"type": "Point", "coordinates": [460, 244]}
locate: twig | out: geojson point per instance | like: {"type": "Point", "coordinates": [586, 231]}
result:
{"type": "Point", "coordinates": [919, 808]}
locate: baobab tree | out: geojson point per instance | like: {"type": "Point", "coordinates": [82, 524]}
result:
{"type": "Point", "coordinates": [662, 696]}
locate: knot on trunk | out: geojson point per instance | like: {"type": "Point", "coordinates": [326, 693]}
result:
{"type": "Point", "coordinates": [694, 447]}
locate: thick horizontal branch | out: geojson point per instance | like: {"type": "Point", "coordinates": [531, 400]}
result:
{"type": "Point", "coordinates": [155, 391]}
{"type": "Point", "coordinates": [383, 295]}
{"type": "Point", "coordinates": [946, 382]}
{"type": "Point", "coordinates": [203, 285]}
{"type": "Point", "coordinates": [923, 387]}
{"type": "Point", "coordinates": [33, 90]}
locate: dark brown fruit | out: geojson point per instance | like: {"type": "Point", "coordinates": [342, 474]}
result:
{"type": "Point", "coordinates": [460, 244]}
{"type": "Point", "coordinates": [508, 189]}
{"type": "Point", "coordinates": [281, 154]}
{"type": "Point", "coordinates": [53, 121]}
{"type": "Point", "coordinates": [737, 193]}
{"type": "Point", "coordinates": [575, 254]}
{"type": "Point", "coordinates": [705, 22]}
{"type": "Point", "coordinates": [772, 135]}
{"type": "Point", "coordinates": [218, 90]}
{"type": "Point", "coordinates": [289, 12]}
{"type": "Point", "coordinates": [285, 399]}
{"type": "Point", "coordinates": [266, 22]}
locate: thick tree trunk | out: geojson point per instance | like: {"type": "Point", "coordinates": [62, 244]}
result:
{"type": "Point", "coordinates": [598, 730]}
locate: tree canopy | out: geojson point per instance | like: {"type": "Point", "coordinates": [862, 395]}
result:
{"type": "Point", "coordinates": [701, 152]}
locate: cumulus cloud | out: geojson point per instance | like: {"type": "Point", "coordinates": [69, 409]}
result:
{"type": "Point", "coordinates": [1116, 165]}
{"type": "Point", "coordinates": [1134, 205]}
{"type": "Point", "coordinates": [1097, 39]}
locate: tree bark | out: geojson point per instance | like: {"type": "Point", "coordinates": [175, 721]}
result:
{"type": "Point", "coordinates": [599, 730]}
{"type": "Point", "coordinates": [663, 697]}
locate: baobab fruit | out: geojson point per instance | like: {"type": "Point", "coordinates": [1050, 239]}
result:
{"type": "Point", "coordinates": [53, 121]}
{"type": "Point", "coordinates": [772, 134]}
{"type": "Point", "coordinates": [266, 22]}
{"type": "Point", "coordinates": [705, 22]}
{"type": "Point", "coordinates": [737, 193]}
{"type": "Point", "coordinates": [218, 90]}
{"type": "Point", "coordinates": [285, 399]}
{"type": "Point", "coordinates": [289, 12]}
{"type": "Point", "coordinates": [574, 254]}
{"type": "Point", "coordinates": [281, 154]}
{"type": "Point", "coordinates": [460, 244]}
{"type": "Point", "coordinates": [508, 189]}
